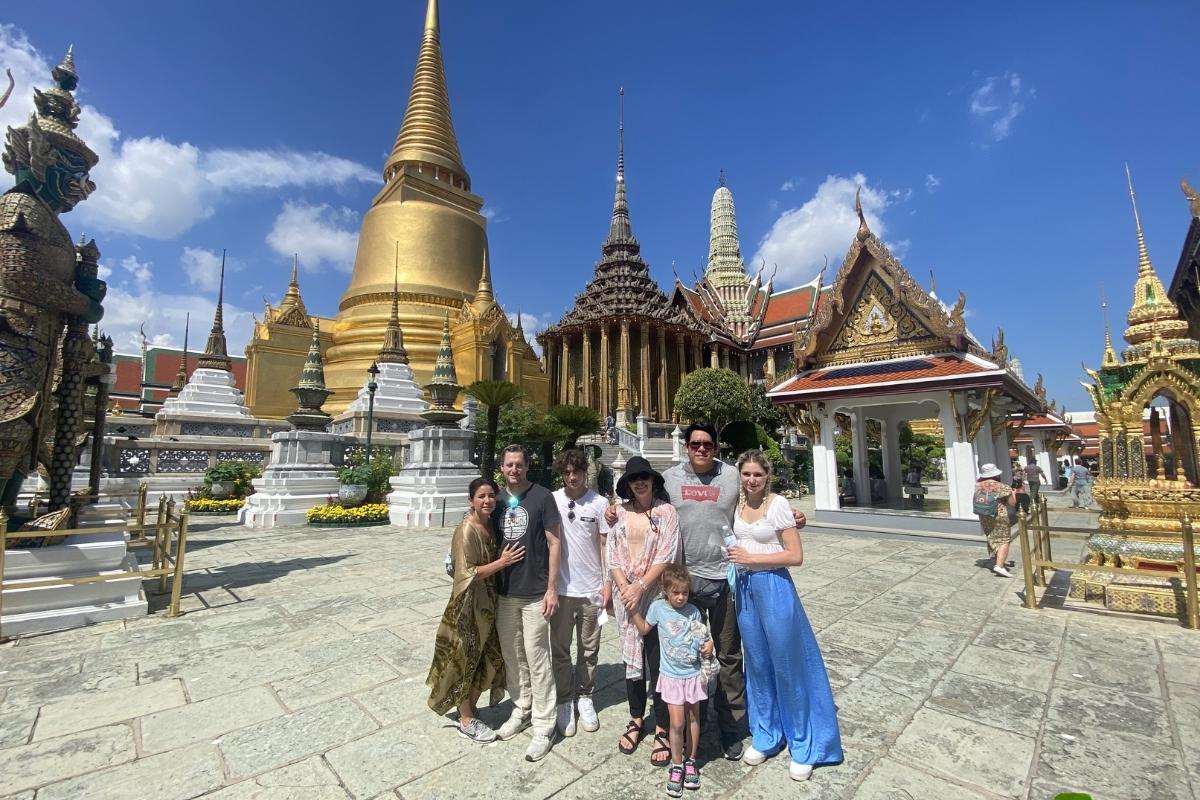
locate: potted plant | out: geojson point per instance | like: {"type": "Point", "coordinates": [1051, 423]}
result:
{"type": "Point", "coordinates": [222, 480]}
{"type": "Point", "coordinates": [355, 482]}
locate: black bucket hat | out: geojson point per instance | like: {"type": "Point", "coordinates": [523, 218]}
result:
{"type": "Point", "coordinates": [636, 467]}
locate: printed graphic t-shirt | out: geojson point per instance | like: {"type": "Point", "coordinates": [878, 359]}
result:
{"type": "Point", "coordinates": [525, 524]}
{"type": "Point", "coordinates": [681, 632]}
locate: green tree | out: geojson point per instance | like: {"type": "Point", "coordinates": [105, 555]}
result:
{"type": "Point", "coordinates": [764, 412]}
{"type": "Point", "coordinates": [495, 395]}
{"type": "Point", "coordinates": [719, 396]}
{"type": "Point", "coordinates": [575, 420]}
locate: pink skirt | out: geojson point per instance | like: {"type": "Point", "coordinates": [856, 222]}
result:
{"type": "Point", "coordinates": [682, 691]}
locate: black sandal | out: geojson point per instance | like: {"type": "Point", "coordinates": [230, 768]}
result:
{"type": "Point", "coordinates": [662, 748]}
{"type": "Point", "coordinates": [631, 737]}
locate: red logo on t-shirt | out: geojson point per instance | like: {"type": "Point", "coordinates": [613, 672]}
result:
{"type": "Point", "coordinates": [701, 494]}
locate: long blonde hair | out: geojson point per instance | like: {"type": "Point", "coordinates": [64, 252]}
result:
{"type": "Point", "coordinates": [760, 458]}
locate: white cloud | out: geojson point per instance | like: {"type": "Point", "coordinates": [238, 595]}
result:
{"type": "Point", "coordinates": [932, 183]}
{"type": "Point", "coordinates": [127, 309]}
{"type": "Point", "coordinates": [788, 185]}
{"type": "Point", "coordinates": [998, 101]}
{"type": "Point", "coordinates": [149, 186]}
{"type": "Point", "coordinates": [823, 227]}
{"type": "Point", "coordinates": [321, 234]}
{"type": "Point", "coordinates": [493, 215]}
{"type": "Point", "coordinates": [140, 271]}
{"type": "Point", "coordinates": [202, 268]}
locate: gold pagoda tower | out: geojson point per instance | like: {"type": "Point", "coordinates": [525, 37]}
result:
{"type": "Point", "coordinates": [424, 224]}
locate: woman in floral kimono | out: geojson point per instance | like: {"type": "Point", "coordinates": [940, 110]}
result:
{"type": "Point", "coordinates": [467, 660]}
{"type": "Point", "coordinates": [643, 541]}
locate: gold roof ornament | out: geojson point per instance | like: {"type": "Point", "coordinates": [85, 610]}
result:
{"type": "Point", "coordinates": [863, 229]}
{"type": "Point", "coordinates": [1152, 315]}
{"type": "Point", "coordinates": [393, 351]}
{"type": "Point", "coordinates": [1110, 354]}
{"type": "Point", "coordinates": [427, 133]}
{"type": "Point", "coordinates": [291, 309]}
{"type": "Point", "coordinates": [483, 294]}
{"type": "Point", "coordinates": [1191, 194]}
{"type": "Point", "coordinates": [216, 352]}
{"type": "Point", "coordinates": [181, 373]}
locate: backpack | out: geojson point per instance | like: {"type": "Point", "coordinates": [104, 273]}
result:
{"type": "Point", "coordinates": [986, 501]}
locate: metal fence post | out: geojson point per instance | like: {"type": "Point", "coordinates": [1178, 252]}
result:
{"type": "Point", "coordinates": [1189, 574]}
{"type": "Point", "coordinates": [180, 549]}
{"type": "Point", "coordinates": [3, 545]}
{"type": "Point", "coordinates": [1026, 563]}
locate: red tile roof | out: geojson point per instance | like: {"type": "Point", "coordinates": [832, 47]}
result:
{"type": "Point", "coordinates": [926, 369]}
{"type": "Point", "coordinates": [788, 305]}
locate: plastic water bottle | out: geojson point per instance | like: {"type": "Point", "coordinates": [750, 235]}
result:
{"type": "Point", "coordinates": [730, 541]}
{"type": "Point", "coordinates": [727, 537]}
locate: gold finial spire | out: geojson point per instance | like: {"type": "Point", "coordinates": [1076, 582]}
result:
{"type": "Point", "coordinates": [216, 353]}
{"type": "Point", "coordinates": [1110, 354]}
{"type": "Point", "coordinates": [427, 133]}
{"type": "Point", "coordinates": [1191, 194]}
{"type": "Point", "coordinates": [393, 351]}
{"type": "Point", "coordinates": [620, 230]}
{"type": "Point", "coordinates": [1144, 265]}
{"type": "Point", "coordinates": [484, 296]}
{"type": "Point", "coordinates": [181, 373]}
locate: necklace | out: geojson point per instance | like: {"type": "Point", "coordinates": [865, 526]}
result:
{"type": "Point", "coordinates": [649, 517]}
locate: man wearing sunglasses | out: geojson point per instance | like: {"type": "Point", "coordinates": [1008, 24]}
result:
{"type": "Point", "coordinates": [582, 581]}
{"type": "Point", "coordinates": [526, 514]}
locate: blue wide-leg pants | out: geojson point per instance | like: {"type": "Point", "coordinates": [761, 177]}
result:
{"type": "Point", "coordinates": [787, 689]}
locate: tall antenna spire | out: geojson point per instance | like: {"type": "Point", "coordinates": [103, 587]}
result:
{"type": "Point", "coordinates": [216, 353]}
{"type": "Point", "coordinates": [620, 230]}
{"type": "Point", "coordinates": [1144, 265]}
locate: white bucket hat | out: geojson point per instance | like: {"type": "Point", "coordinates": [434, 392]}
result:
{"type": "Point", "coordinates": [989, 471]}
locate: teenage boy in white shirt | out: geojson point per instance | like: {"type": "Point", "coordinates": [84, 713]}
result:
{"type": "Point", "coordinates": [581, 580]}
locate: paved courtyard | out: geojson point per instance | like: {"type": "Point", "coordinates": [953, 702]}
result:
{"type": "Point", "coordinates": [298, 672]}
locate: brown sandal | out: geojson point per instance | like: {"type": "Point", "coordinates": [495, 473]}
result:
{"type": "Point", "coordinates": [630, 738]}
{"type": "Point", "coordinates": [661, 751]}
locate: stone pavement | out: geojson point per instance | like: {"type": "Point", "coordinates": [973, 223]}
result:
{"type": "Point", "coordinates": [298, 672]}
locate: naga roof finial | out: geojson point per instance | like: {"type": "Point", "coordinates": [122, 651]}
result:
{"type": "Point", "coordinates": [863, 230]}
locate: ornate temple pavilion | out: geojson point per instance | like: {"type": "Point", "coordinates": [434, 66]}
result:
{"type": "Point", "coordinates": [625, 346]}
{"type": "Point", "coordinates": [426, 223]}
{"type": "Point", "coordinates": [878, 351]}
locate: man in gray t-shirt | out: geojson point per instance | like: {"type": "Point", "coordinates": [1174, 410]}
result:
{"type": "Point", "coordinates": [704, 492]}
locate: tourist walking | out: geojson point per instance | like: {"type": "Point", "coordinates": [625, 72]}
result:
{"type": "Point", "coordinates": [644, 539]}
{"type": "Point", "coordinates": [1022, 496]}
{"type": "Point", "coordinates": [989, 492]}
{"type": "Point", "coordinates": [682, 641]}
{"type": "Point", "coordinates": [787, 688]}
{"type": "Point", "coordinates": [526, 514]}
{"type": "Point", "coordinates": [1034, 477]}
{"type": "Point", "coordinates": [1079, 484]}
{"type": "Point", "coordinates": [467, 659]}
{"type": "Point", "coordinates": [583, 589]}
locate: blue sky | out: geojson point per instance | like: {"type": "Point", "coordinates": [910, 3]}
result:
{"type": "Point", "coordinates": [990, 142]}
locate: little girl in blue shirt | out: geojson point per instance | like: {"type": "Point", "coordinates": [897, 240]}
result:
{"type": "Point", "coordinates": [683, 641]}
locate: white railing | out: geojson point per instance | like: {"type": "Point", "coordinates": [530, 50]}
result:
{"type": "Point", "coordinates": [629, 441]}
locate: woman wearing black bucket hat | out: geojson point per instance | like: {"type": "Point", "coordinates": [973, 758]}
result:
{"type": "Point", "coordinates": [643, 541]}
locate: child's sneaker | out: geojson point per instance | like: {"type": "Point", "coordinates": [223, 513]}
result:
{"type": "Point", "coordinates": [691, 774]}
{"type": "Point", "coordinates": [675, 781]}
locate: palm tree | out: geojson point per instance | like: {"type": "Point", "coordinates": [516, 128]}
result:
{"type": "Point", "coordinates": [578, 421]}
{"type": "Point", "coordinates": [495, 395]}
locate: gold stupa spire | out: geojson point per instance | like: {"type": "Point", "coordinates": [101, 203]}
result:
{"type": "Point", "coordinates": [1110, 354]}
{"type": "Point", "coordinates": [181, 373]}
{"type": "Point", "coordinates": [1152, 315]}
{"type": "Point", "coordinates": [427, 133]}
{"type": "Point", "coordinates": [216, 353]}
{"type": "Point", "coordinates": [484, 297]}
{"type": "Point", "coordinates": [393, 351]}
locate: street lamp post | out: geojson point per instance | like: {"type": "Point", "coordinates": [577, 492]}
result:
{"type": "Point", "coordinates": [371, 387]}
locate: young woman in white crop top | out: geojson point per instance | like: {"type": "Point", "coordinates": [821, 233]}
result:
{"type": "Point", "coordinates": [788, 698]}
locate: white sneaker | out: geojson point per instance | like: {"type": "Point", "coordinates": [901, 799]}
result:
{"type": "Point", "coordinates": [587, 715]}
{"type": "Point", "coordinates": [753, 757]}
{"type": "Point", "coordinates": [800, 772]}
{"type": "Point", "coordinates": [566, 718]}
{"type": "Point", "coordinates": [538, 748]}
{"type": "Point", "coordinates": [515, 724]}
{"type": "Point", "coordinates": [1001, 571]}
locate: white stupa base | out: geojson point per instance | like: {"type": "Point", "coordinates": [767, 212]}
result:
{"type": "Point", "coordinates": [301, 475]}
{"type": "Point", "coordinates": [210, 392]}
{"type": "Point", "coordinates": [395, 391]}
{"type": "Point", "coordinates": [52, 608]}
{"type": "Point", "coordinates": [431, 489]}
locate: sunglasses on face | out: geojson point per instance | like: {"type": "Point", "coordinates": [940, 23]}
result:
{"type": "Point", "coordinates": [701, 447]}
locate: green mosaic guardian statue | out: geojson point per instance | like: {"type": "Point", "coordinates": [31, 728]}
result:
{"type": "Point", "coordinates": [41, 285]}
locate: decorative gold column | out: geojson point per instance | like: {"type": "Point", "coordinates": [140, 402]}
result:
{"type": "Point", "coordinates": [697, 353]}
{"type": "Point", "coordinates": [623, 370]}
{"type": "Point", "coordinates": [551, 355]}
{"type": "Point", "coordinates": [644, 389]}
{"type": "Point", "coordinates": [564, 390]}
{"type": "Point", "coordinates": [664, 407]}
{"type": "Point", "coordinates": [606, 405]}
{"type": "Point", "coordinates": [587, 368]}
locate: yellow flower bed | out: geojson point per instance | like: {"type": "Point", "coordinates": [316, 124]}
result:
{"type": "Point", "coordinates": [210, 506]}
{"type": "Point", "coordinates": [368, 512]}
